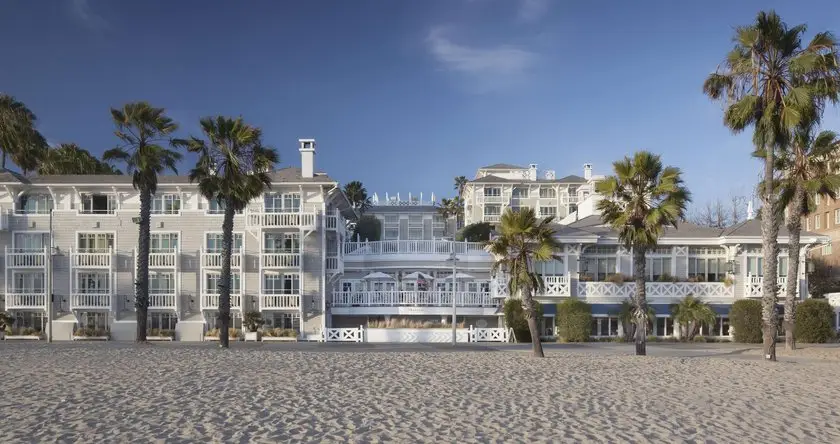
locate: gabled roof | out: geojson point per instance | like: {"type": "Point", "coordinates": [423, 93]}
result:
{"type": "Point", "coordinates": [569, 179]}
{"type": "Point", "coordinates": [290, 174]}
{"type": "Point", "coordinates": [495, 179]}
{"type": "Point", "coordinates": [8, 176]}
{"type": "Point", "coordinates": [752, 227]}
{"type": "Point", "coordinates": [502, 166]}
{"type": "Point", "coordinates": [594, 225]}
{"type": "Point", "coordinates": [490, 178]}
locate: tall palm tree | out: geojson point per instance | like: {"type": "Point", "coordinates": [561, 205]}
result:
{"type": "Point", "coordinates": [233, 168]}
{"type": "Point", "coordinates": [453, 207]}
{"type": "Point", "coordinates": [19, 140]}
{"type": "Point", "coordinates": [768, 81]}
{"type": "Point", "coordinates": [640, 200]}
{"type": "Point", "coordinates": [523, 239]}
{"type": "Point", "coordinates": [460, 184]}
{"type": "Point", "coordinates": [144, 133]}
{"type": "Point", "coordinates": [809, 168]}
{"type": "Point", "coordinates": [691, 312]}
{"type": "Point", "coordinates": [357, 195]}
{"type": "Point", "coordinates": [626, 315]}
{"type": "Point", "coordinates": [69, 158]}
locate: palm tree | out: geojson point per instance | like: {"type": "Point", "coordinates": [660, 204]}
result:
{"type": "Point", "coordinates": [768, 81]}
{"type": "Point", "coordinates": [69, 158]}
{"type": "Point", "coordinates": [641, 199]}
{"type": "Point", "coordinates": [689, 313]}
{"type": "Point", "coordinates": [143, 131]}
{"type": "Point", "coordinates": [451, 207]}
{"type": "Point", "coordinates": [524, 239]}
{"type": "Point", "coordinates": [809, 170]}
{"type": "Point", "coordinates": [627, 313]}
{"type": "Point", "coordinates": [19, 140]}
{"type": "Point", "coordinates": [357, 195]}
{"type": "Point", "coordinates": [460, 184]}
{"type": "Point", "coordinates": [233, 168]}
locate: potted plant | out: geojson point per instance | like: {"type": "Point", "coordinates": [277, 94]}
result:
{"type": "Point", "coordinates": [6, 321]}
{"type": "Point", "coordinates": [252, 321]}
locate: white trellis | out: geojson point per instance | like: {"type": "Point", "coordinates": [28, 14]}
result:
{"type": "Point", "coordinates": [344, 334]}
{"type": "Point", "coordinates": [489, 334]}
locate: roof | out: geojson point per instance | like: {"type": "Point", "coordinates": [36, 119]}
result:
{"type": "Point", "coordinates": [490, 178]}
{"type": "Point", "coordinates": [594, 225]}
{"type": "Point", "coordinates": [8, 176]}
{"type": "Point", "coordinates": [290, 174]}
{"type": "Point", "coordinates": [502, 166]}
{"type": "Point", "coordinates": [752, 227]}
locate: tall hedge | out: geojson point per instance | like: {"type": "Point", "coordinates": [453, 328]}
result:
{"type": "Point", "coordinates": [515, 319]}
{"type": "Point", "coordinates": [477, 232]}
{"type": "Point", "coordinates": [814, 321]}
{"type": "Point", "coordinates": [574, 320]}
{"type": "Point", "coordinates": [745, 318]}
{"type": "Point", "coordinates": [368, 228]}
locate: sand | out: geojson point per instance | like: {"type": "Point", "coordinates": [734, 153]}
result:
{"type": "Point", "coordinates": [179, 393]}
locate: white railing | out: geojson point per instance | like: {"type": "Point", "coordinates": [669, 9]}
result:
{"type": "Point", "coordinates": [492, 199]}
{"type": "Point", "coordinates": [567, 199]}
{"type": "Point", "coordinates": [163, 258]}
{"type": "Point", "coordinates": [281, 220]}
{"type": "Point", "coordinates": [26, 301]}
{"type": "Point", "coordinates": [333, 263]}
{"type": "Point", "coordinates": [473, 334]}
{"type": "Point", "coordinates": [90, 301]}
{"type": "Point", "coordinates": [753, 286]}
{"type": "Point", "coordinates": [91, 258]}
{"type": "Point", "coordinates": [489, 334]}
{"type": "Point", "coordinates": [279, 301]}
{"type": "Point", "coordinates": [211, 301]}
{"type": "Point", "coordinates": [4, 219]}
{"type": "Point", "coordinates": [703, 290]}
{"type": "Point", "coordinates": [557, 286]}
{"type": "Point", "coordinates": [343, 334]}
{"type": "Point", "coordinates": [492, 217]}
{"type": "Point", "coordinates": [396, 298]}
{"type": "Point", "coordinates": [213, 259]}
{"type": "Point", "coordinates": [280, 260]}
{"type": "Point", "coordinates": [413, 247]}
{"type": "Point", "coordinates": [162, 301]}
{"type": "Point", "coordinates": [26, 258]}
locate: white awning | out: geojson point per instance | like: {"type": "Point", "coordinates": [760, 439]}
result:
{"type": "Point", "coordinates": [417, 275]}
{"type": "Point", "coordinates": [378, 275]}
{"type": "Point", "coordinates": [458, 275]}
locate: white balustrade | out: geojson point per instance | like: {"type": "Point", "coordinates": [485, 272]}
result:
{"type": "Point", "coordinates": [413, 247]}
{"type": "Point", "coordinates": [280, 260]}
{"type": "Point", "coordinates": [703, 290]}
{"type": "Point", "coordinates": [26, 258]}
{"type": "Point", "coordinates": [90, 301]}
{"type": "Point", "coordinates": [396, 298]}
{"type": "Point", "coordinates": [489, 334]}
{"type": "Point", "coordinates": [211, 301]}
{"type": "Point", "coordinates": [753, 286]}
{"type": "Point", "coordinates": [26, 301]}
{"type": "Point", "coordinates": [343, 334]}
{"type": "Point", "coordinates": [492, 217]}
{"type": "Point", "coordinates": [91, 258]}
{"type": "Point", "coordinates": [281, 220]}
{"type": "Point", "coordinates": [279, 301]}
{"type": "Point", "coordinates": [213, 259]}
{"type": "Point", "coordinates": [559, 286]}
{"type": "Point", "coordinates": [333, 263]}
{"type": "Point", "coordinates": [163, 258]}
{"type": "Point", "coordinates": [162, 301]}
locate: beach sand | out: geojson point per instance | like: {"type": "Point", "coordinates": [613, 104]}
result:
{"type": "Point", "coordinates": [112, 392]}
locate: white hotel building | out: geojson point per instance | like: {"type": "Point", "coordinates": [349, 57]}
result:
{"type": "Point", "coordinates": [75, 237]}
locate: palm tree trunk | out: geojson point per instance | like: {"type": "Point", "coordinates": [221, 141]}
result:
{"type": "Point", "coordinates": [531, 317]}
{"type": "Point", "coordinates": [3, 161]}
{"type": "Point", "coordinates": [640, 299]}
{"type": "Point", "coordinates": [224, 293]}
{"type": "Point", "coordinates": [142, 283]}
{"type": "Point", "coordinates": [794, 226]}
{"type": "Point", "coordinates": [769, 231]}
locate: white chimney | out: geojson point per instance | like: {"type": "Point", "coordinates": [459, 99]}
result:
{"type": "Point", "coordinates": [587, 171]}
{"type": "Point", "coordinates": [532, 171]}
{"type": "Point", "coordinates": [307, 157]}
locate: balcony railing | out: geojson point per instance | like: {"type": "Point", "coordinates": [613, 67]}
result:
{"type": "Point", "coordinates": [280, 260]}
{"type": "Point", "coordinates": [162, 301]}
{"type": "Point", "coordinates": [555, 286]}
{"type": "Point", "coordinates": [24, 301]}
{"type": "Point", "coordinates": [213, 259]}
{"type": "Point", "coordinates": [211, 301]}
{"type": "Point", "coordinates": [91, 258]}
{"type": "Point", "coordinates": [90, 301]}
{"type": "Point", "coordinates": [666, 290]}
{"type": "Point", "coordinates": [163, 258]}
{"type": "Point", "coordinates": [281, 220]}
{"type": "Point", "coordinates": [333, 264]}
{"type": "Point", "coordinates": [492, 217]}
{"type": "Point", "coordinates": [753, 286]}
{"type": "Point", "coordinates": [412, 247]}
{"type": "Point", "coordinates": [493, 199]}
{"type": "Point", "coordinates": [279, 301]}
{"type": "Point", "coordinates": [26, 258]}
{"type": "Point", "coordinates": [394, 298]}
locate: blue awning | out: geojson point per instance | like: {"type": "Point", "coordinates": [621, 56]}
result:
{"type": "Point", "coordinates": [721, 309]}
{"type": "Point", "coordinates": [549, 309]}
{"type": "Point", "coordinates": [661, 309]}
{"type": "Point", "coordinates": [605, 309]}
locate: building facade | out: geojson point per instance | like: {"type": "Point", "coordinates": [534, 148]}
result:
{"type": "Point", "coordinates": [825, 220]}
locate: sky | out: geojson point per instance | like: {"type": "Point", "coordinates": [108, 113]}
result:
{"type": "Point", "coordinates": [404, 95]}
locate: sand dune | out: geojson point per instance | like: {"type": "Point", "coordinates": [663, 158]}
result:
{"type": "Point", "coordinates": [126, 393]}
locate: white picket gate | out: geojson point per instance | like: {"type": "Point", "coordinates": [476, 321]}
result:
{"type": "Point", "coordinates": [489, 334]}
{"type": "Point", "coordinates": [344, 334]}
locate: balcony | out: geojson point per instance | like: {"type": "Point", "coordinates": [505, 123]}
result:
{"type": "Point", "coordinates": [211, 301]}
{"type": "Point", "coordinates": [334, 264]}
{"type": "Point", "coordinates": [90, 301]}
{"type": "Point", "coordinates": [26, 301]}
{"type": "Point", "coordinates": [162, 301]}
{"type": "Point", "coordinates": [492, 218]}
{"type": "Point", "coordinates": [91, 258]}
{"type": "Point", "coordinates": [281, 220]}
{"type": "Point", "coordinates": [396, 298]}
{"type": "Point", "coordinates": [656, 290]}
{"type": "Point", "coordinates": [441, 247]}
{"type": "Point", "coordinates": [493, 199]}
{"type": "Point", "coordinates": [280, 260]}
{"type": "Point", "coordinates": [555, 286]}
{"type": "Point", "coordinates": [163, 258]}
{"type": "Point", "coordinates": [753, 286]}
{"type": "Point", "coordinates": [26, 258]}
{"type": "Point", "coordinates": [213, 259]}
{"type": "Point", "coordinates": [279, 302]}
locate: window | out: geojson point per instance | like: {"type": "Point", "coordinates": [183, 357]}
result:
{"type": "Point", "coordinates": [438, 226]}
{"type": "Point", "coordinates": [161, 283]}
{"type": "Point", "coordinates": [212, 281]}
{"type": "Point", "coordinates": [29, 282]}
{"type": "Point", "coordinates": [604, 326]}
{"type": "Point", "coordinates": [93, 282]}
{"type": "Point", "coordinates": [166, 204]}
{"type": "Point", "coordinates": [92, 319]}
{"type": "Point", "coordinates": [520, 193]}
{"type": "Point", "coordinates": [30, 319]}
{"type": "Point", "coordinates": [95, 242]}
{"type": "Point", "coordinates": [214, 242]}
{"type": "Point", "coordinates": [706, 264]}
{"type": "Point", "coordinates": [281, 283]}
{"type": "Point", "coordinates": [492, 192]}
{"type": "Point", "coordinates": [281, 243]}
{"type": "Point", "coordinates": [548, 211]}
{"type": "Point", "coordinates": [548, 193]}
{"type": "Point", "coordinates": [97, 203]}
{"type": "Point", "coordinates": [755, 266]}
{"type": "Point", "coordinates": [162, 321]}
{"type": "Point", "coordinates": [827, 220]}
{"type": "Point", "coordinates": [286, 320]}
{"type": "Point", "coordinates": [492, 210]}
{"type": "Point", "coordinates": [34, 204]}
{"type": "Point", "coordinates": [391, 227]}
{"type": "Point", "coordinates": [658, 268]}
{"type": "Point", "coordinates": [826, 250]}
{"type": "Point", "coordinates": [817, 221]}
{"type": "Point", "coordinates": [664, 326]}
{"type": "Point", "coordinates": [807, 223]}
{"type": "Point", "coordinates": [31, 241]}
{"type": "Point", "coordinates": [598, 268]}
{"type": "Point", "coordinates": [163, 242]}
{"type": "Point", "coordinates": [549, 268]}
{"type": "Point", "coordinates": [817, 199]}
{"type": "Point", "coordinates": [217, 206]}
{"type": "Point", "coordinates": [415, 227]}
{"type": "Point", "coordinates": [837, 216]}
{"type": "Point", "coordinates": [282, 203]}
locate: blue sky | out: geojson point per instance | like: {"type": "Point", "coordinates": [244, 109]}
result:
{"type": "Point", "coordinates": [404, 95]}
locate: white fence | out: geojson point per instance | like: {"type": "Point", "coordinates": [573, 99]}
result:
{"type": "Point", "coordinates": [415, 335]}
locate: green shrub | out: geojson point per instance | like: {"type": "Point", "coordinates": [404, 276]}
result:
{"type": "Point", "coordinates": [814, 321]}
{"type": "Point", "coordinates": [477, 232]}
{"type": "Point", "coordinates": [745, 318]}
{"type": "Point", "coordinates": [368, 228]}
{"type": "Point", "coordinates": [515, 319]}
{"type": "Point", "coordinates": [700, 339]}
{"type": "Point", "coordinates": [574, 320]}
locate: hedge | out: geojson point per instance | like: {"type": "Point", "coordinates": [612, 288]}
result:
{"type": "Point", "coordinates": [745, 318]}
{"type": "Point", "coordinates": [477, 232]}
{"type": "Point", "coordinates": [368, 228]}
{"type": "Point", "coordinates": [574, 321]}
{"type": "Point", "coordinates": [515, 319]}
{"type": "Point", "coordinates": [814, 321]}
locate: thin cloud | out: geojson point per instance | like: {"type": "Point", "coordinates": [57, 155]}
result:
{"type": "Point", "coordinates": [485, 69]}
{"type": "Point", "coordinates": [532, 10]}
{"type": "Point", "coordinates": [84, 13]}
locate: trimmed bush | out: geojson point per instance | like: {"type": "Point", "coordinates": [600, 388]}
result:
{"type": "Point", "coordinates": [515, 319]}
{"type": "Point", "coordinates": [745, 318]}
{"type": "Point", "coordinates": [574, 321]}
{"type": "Point", "coordinates": [368, 228]}
{"type": "Point", "coordinates": [814, 321]}
{"type": "Point", "coordinates": [477, 232]}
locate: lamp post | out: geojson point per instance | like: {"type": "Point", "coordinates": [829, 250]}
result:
{"type": "Point", "coordinates": [454, 259]}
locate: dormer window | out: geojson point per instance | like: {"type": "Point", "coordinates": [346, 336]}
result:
{"type": "Point", "coordinates": [98, 203]}
{"type": "Point", "coordinates": [36, 203]}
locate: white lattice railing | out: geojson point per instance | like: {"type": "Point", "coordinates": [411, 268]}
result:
{"type": "Point", "coordinates": [280, 260]}
{"type": "Point", "coordinates": [91, 258]}
{"type": "Point", "coordinates": [557, 286]}
{"type": "Point", "coordinates": [489, 334]}
{"type": "Point", "coordinates": [210, 301]}
{"type": "Point", "coordinates": [344, 334]}
{"type": "Point", "coordinates": [703, 290]}
{"type": "Point", "coordinates": [753, 286]}
{"type": "Point", "coordinates": [26, 258]}
{"type": "Point", "coordinates": [396, 298]}
{"type": "Point", "coordinates": [213, 259]}
{"type": "Point", "coordinates": [90, 301]}
{"type": "Point", "coordinates": [279, 301]}
{"type": "Point", "coordinates": [413, 247]}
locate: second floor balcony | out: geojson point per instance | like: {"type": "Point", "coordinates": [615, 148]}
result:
{"type": "Point", "coordinates": [26, 300]}
{"type": "Point", "coordinates": [210, 301]}
{"type": "Point", "coordinates": [656, 290]}
{"type": "Point", "coordinates": [163, 300]}
{"type": "Point", "coordinates": [213, 259]}
{"type": "Point", "coordinates": [91, 258]}
{"type": "Point", "coordinates": [26, 257]}
{"type": "Point", "coordinates": [90, 300]}
{"type": "Point", "coordinates": [754, 286]}
{"type": "Point", "coordinates": [282, 301]}
{"type": "Point", "coordinates": [301, 220]}
{"type": "Point", "coordinates": [273, 259]}
{"type": "Point", "coordinates": [163, 258]}
{"type": "Point", "coordinates": [414, 247]}
{"type": "Point", "coordinates": [395, 298]}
